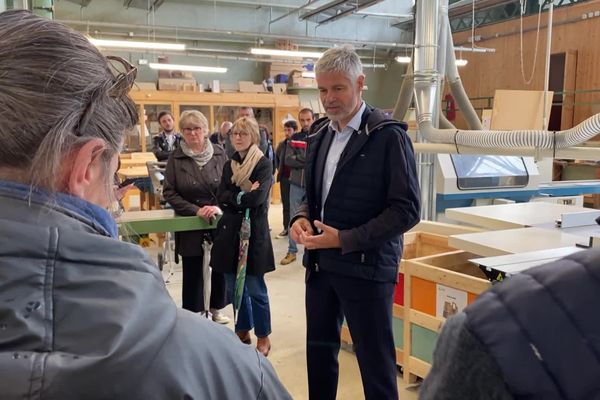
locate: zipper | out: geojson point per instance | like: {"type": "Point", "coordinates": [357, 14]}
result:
{"type": "Point", "coordinates": [362, 258]}
{"type": "Point", "coordinates": [316, 267]}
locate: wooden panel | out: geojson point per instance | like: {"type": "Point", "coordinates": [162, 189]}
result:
{"type": "Point", "coordinates": [399, 357]}
{"type": "Point", "coordinates": [423, 295]}
{"type": "Point", "coordinates": [422, 344]}
{"type": "Point", "coordinates": [471, 297]}
{"type": "Point", "coordinates": [426, 321]}
{"type": "Point", "coordinates": [398, 331]}
{"type": "Point", "coordinates": [503, 71]}
{"type": "Point", "coordinates": [439, 228]}
{"type": "Point", "coordinates": [570, 81]}
{"type": "Point", "coordinates": [398, 311]}
{"type": "Point", "coordinates": [419, 368]}
{"type": "Point", "coordinates": [446, 277]}
{"type": "Point", "coordinates": [520, 109]}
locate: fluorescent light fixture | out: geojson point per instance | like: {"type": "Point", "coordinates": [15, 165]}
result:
{"type": "Point", "coordinates": [195, 68]}
{"type": "Point", "coordinates": [461, 62]}
{"type": "Point", "coordinates": [308, 74]}
{"type": "Point", "coordinates": [285, 53]}
{"type": "Point", "coordinates": [136, 45]}
{"type": "Point", "coordinates": [403, 59]}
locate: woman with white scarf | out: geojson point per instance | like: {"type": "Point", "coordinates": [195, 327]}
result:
{"type": "Point", "coordinates": [245, 184]}
{"type": "Point", "coordinates": [191, 181]}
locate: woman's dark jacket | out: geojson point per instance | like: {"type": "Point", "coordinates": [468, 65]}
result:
{"type": "Point", "coordinates": [225, 251]}
{"type": "Point", "coordinates": [187, 188]}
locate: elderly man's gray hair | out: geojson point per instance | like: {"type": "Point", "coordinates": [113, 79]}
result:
{"type": "Point", "coordinates": [340, 59]}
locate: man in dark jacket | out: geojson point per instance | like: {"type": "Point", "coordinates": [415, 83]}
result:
{"type": "Point", "coordinates": [167, 140]}
{"type": "Point", "coordinates": [295, 159]}
{"type": "Point", "coordinates": [283, 177]}
{"type": "Point", "coordinates": [222, 137]}
{"type": "Point", "coordinates": [362, 194]}
{"type": "Point", "coordinates": [533, 336]}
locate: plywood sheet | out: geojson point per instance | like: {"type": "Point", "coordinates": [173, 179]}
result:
{"type": "Point", "coordinates": [520, 109]}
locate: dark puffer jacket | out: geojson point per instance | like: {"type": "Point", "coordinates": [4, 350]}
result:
{"type": "Point", "coordinates": [374, 197]}
{"type": "Point", "coordinates": [534, 336]}
{"type": "Point", "coordinates": [295, 157]}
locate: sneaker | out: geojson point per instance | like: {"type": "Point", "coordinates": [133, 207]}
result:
{"type": "Point", "coordinates": [219, 318]}
{"type": "Point", "coordinates": [283, 233]}
{"type": "Point", "coordinates": [288, 259]}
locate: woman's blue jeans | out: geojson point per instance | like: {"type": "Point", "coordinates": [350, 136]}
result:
{"type": "Point", "coordinates": [254, 311]}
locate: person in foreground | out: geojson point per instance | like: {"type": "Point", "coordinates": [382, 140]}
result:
{"type": "Point", "coordinates": [82, 314]}
{"type": "Point", "coordinates": [362, 194]}
{"type": "Point", "coordinates": [534, 336]}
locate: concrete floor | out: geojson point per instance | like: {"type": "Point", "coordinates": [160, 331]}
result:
{"type": "Point", "coordinates": [288, 356]}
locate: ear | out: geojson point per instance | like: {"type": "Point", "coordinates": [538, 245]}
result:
{"type": "Point", "coordinates": [360, 82]}
{"type": "Point", "coordinates": [85, 172]}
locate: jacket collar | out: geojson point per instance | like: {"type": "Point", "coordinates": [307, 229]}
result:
{"type": "Point", "coordinates": [99, 218]}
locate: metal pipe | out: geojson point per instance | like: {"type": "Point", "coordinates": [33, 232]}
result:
{"type": "Point", "coordinates": [290, 12]}
{"type": "Point", "coordinates": [226, 33]}
{"type": "Point", "coordinates": [579, 153]}
{"type": "Point", "coordinates": [405, 95]}
{"type": "Point", "coordinates": [426, 92]}
{"type": "Point", "coordinates": [456, 87]}
{"type": "Point", "coordinates": [295, 8]}
{"type": "Point", "coordinates": [425, 75]}
{"type": "Point", "coordinates": [547, 69]}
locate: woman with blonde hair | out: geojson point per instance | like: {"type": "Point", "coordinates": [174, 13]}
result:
{"type": "Point", "coordinates": [245, 184]}
{"type": "Point", "coordinates": [191, 181]}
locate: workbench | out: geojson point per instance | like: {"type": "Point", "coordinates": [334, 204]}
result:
{"type": "Point", "coordinates": [158, 221]}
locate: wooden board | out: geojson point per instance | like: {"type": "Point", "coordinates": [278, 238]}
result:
{"type": "Point", "coordinates": [497, 243]}
{"type": "Point", "coordinates": [507, 216]}
{"type": "Point", "coordinates": [520, 109]}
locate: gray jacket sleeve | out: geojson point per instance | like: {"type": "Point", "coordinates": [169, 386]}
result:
{"type": "Point", "coordinates": [201, 360]}
{"type": "Point", "coordinates": [462, 368]}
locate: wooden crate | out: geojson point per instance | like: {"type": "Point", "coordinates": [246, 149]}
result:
{"type": "Point", "coordinates": [426, 280]}
{"type": "Point", "coordinates": [426, 239]}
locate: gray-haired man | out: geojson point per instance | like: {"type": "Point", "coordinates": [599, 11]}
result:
{"type": "Point", "coordinates": [362, 194]}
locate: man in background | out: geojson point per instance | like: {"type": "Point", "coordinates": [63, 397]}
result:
{"type": "Point", "coordinates": [168, 139]}
{"type": "Point", "coordinates": [248, 112]}
{"type": "Point", "coordinates": [283, 177]}
{"type": "Point", "coordinates": [295, 158]}
{"type": "Point", "coordinates": [222, 137]}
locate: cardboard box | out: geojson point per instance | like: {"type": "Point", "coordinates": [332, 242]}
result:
{"type": "Point", "coordinates": [229, 87]}
{"type": "Point", "coordinates": [180, 85]}
{"type": "Point", "coordinates": [275, 68]}
{"type": "Point", "coordinates": [251, 87]}
{"type": "Point", "coordinates": [297, 81]}
{"type": "Point", "coordinates": [279, 88]}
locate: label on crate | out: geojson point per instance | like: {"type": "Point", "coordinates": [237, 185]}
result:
{"type": "Point", "coordinates": [449, 301]}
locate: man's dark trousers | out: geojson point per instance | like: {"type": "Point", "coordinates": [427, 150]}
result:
{"type": "Point", "coordinates": [284, 188]}
{"type": "Point", "coordinates": [367, 306]}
